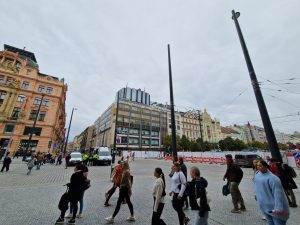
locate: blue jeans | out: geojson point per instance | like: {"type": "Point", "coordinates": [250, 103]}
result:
{"type": "Point", "coordinates": [274, 221]}
{"type": "Point", "coordinates": [80, 207]}
{"type": "Point", "coordinates": [203, 221]}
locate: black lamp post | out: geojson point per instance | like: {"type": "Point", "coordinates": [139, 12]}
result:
{"type": "Point", "coordinates": [259, 98]}
{"type": "Point", "coordinates": [33, 127]}
{"type": "Point", "coordinates": [173, 124]}
{"type": "Point", "coordinates": [66, 143]}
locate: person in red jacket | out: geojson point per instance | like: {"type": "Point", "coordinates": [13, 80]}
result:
{"type": "Point", "coordinates": [116, 178]}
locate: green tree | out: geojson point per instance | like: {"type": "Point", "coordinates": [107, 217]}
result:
{"type": "Point", "coordinates": [185, 143]}
{"type": "Point", "coordinates": [167, 143]}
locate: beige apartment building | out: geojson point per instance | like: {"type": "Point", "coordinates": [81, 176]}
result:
{"type": "Point", "coordinates": [21, 88]}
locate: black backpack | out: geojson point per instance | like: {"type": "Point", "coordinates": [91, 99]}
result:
{"type": "Point", "coordinates": [63, 204]}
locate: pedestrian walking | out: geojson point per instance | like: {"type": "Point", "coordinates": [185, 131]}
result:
{"type": "Point", "coordinates": [178, 186]}
{"type": "Point", "coordinates": [133, 155]}
{"type": "Point", "coordinates": [40, 160]}
{"type": "Point", "coordinates": [198, 197]}
{"type": "Point", "coordinates": [159, 194]}
{"type": "Point", "coordinates": [255, 170]}
{"type": "Point", "coordinates": [78, 184]}
{"type": "Point", "coordinates": [6, 163]}
{"type": "Point", "coordinates": [116, 178]}
{"type": "Point", "coordinates": [31, 163]}
{"type": "Point", "coordinates": [59, 159]}
{"type": "Point", "coordinates": [270, 195]}
{"type": "Point", "coordinates": [125, 193]}
{"type": "Point", "coordinates": [67, 158]}
{"type": "Point", "coordinates": [234, 176]}
{"type": "Point", "coordinates": [85, 171]}
{"type": "Point", "coordinates": [284, 172]}
{"type": "Point", "coordinates": [184, 170]}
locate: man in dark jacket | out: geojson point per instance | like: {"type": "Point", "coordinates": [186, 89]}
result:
{"type": "Point", "coordinates": [234, 175]}
{"type": "Point", "coordinates": [6, 162]}
{"type": "Point", "coordinates": [77, 186]}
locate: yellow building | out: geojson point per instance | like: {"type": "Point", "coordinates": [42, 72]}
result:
{"type": "Point", "coordinates": [21, 89]}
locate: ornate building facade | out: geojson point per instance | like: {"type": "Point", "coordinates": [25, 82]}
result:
{"type": "Point", "coordinates": [21, 88]}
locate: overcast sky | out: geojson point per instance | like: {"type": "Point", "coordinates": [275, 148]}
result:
{"type": "Point", "coordinates": [100, 46]}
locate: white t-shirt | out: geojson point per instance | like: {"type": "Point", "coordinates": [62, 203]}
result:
{"type": "Point", "coordinates": [177, 179]}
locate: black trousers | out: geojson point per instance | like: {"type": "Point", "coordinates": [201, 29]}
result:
{"type": "Point", "coordinates": [156, 220]}
{"type": "Point", "coordinates": [6, 166]}
{"type": "Point", "coordinates": [111, 192]}
{"type": "Point", "coordinates": [123, 194]}
{"type": "Point", "coordinates": [177, 206]}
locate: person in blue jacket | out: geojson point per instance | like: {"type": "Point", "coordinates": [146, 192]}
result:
{"type": "Point", "coordinates": [270, 195]}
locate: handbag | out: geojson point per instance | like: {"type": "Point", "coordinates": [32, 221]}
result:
{"type": "Point", "coordinates": [226, 189]}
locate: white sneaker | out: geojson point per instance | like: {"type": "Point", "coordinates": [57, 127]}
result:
{"type": "Point", "coordinates": [79, 215]}
{"type": "Point", "coordinates": [109, 220]}
{"type": "Point", "coordinates": [69, 216]}
{"type": "Point", "coordinates": [264, 218]}
{"type": "Point", "coordinates": [131, 218]}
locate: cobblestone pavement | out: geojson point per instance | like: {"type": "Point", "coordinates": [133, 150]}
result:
{"type": "Point", "coordinates": [33, 200]}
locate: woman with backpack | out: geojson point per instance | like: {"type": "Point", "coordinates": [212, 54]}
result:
{"type": "Point", "coordinates": [178, 187]}
{"type": "Point", "coordinates": [198, 197]}
{"type": "Point", "coordinates": [125, 193]}
{"type": "Point", "coordinates": [159, 194]}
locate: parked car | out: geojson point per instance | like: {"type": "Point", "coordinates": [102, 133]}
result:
{"type": "Point", "coordinates": [104, 156]}
{"type": "Point", "coordinates": [246, 159]}
{"type": "Point", "coordinates": [76, 158]}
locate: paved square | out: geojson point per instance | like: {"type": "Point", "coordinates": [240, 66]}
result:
{"type": "Point", "coordinates": [33, 200]}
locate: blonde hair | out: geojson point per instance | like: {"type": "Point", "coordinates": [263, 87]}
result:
{"type": "Point", "coordinates": [126, 165]}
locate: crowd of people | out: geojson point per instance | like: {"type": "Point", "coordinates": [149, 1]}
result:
{"type": "Point", "coordinates": [273, 188]}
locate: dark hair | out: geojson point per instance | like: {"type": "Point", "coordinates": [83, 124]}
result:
{"type": "Point", "coordinates": [264, 163]}
{"type": "Point", "coordinates": [180, 160]}
{"type": "Point", "coordinates": [175, 159]}
{"type": "Point", "coordinates": [228, 156]}
{"type": "Point", "coordinates": [273, 160]}
{"type": "Point", "coordinates": [159, 171]}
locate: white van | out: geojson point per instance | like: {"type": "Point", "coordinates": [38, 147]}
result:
{"type": "Point", "coordinates": [104, 156]}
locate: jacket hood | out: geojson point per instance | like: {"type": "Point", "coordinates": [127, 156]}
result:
{"type": "Point", "coordinates": [203, 182]}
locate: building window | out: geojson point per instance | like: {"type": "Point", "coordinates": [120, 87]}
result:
{"type": "Point", "coordinates": [154, 142]}
{"type": "Point", "coordinates": [37, 101]}
{"type": "Point", "coordinates": [8, 81]}
{"type": "Point", "coordinates": [145, 141]}
{"type": "Point", "coordinates": [145, 132]}
{"type": "Point", "coordinates": [42, 116]}
{"type": "Point", "coordinates": [134, 132]}
{"type": "Point", "coordinates": [49, 90]}
{"type": "Point", "coordinates": [25, 85]}
{"type": "Point", "coordinates": [41, 89]}
{"type": "Point", "coordinates": [46, 102]}
{"type": "Point", "coordinates": [21, 98]}
{"type": "Point", "coordinates": [1, 80]}
{"type": "Point", "coordinates": [9, 128]}
{"type": "Point", "coordinates": [37, 131]}
{"type": "Point", "coordinates": [15, 114]}
{"type": "Point", "coordinates": [178, 127]}
{"type": "Point", "coordinates": [154, 133]}
{"type": "Point", "coordinates": [133, 141]}
{"type": "Point", "coordinates": [2, 95]}
{"type": "Point", "coordinates": [122, 130]}
{"type": "Point", "coordinates": [32, 115]}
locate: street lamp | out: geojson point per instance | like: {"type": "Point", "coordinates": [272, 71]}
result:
{"type": "Point", "coordinates": [173, 124]}
{"type": "Point", "coordinates": [259, 98]}
{"type": "Point", "coordinates": [33, 127]}
{"type": "Point", "coordinates": [65, 147]}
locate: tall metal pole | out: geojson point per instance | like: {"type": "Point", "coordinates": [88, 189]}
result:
{"type": "Point", "coordinates": [117, 112]}
{"type": "Point", "coordinates": [66, 143]}
{"type": "Point", "coordinates": [33, 127]}
{"type": "Point", "coordinates": [259, 98]}
{"type": "Point", "coordinates": [174, 149]}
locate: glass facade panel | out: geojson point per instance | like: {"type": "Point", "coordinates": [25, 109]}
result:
{"type": "Point", "coordinates": [154, 142]}
{"type": "Point", "coordinates": [133, 141]}
{"type": "Point", "coordinates": [134, 132]}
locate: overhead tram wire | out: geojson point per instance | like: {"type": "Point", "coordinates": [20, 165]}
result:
{"type": "Point", "coordinates": [279, 90]}
{"type": "Point", "coordinates": [224, 108]}
{"type": "Point", "coordinates": [296, 106]}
